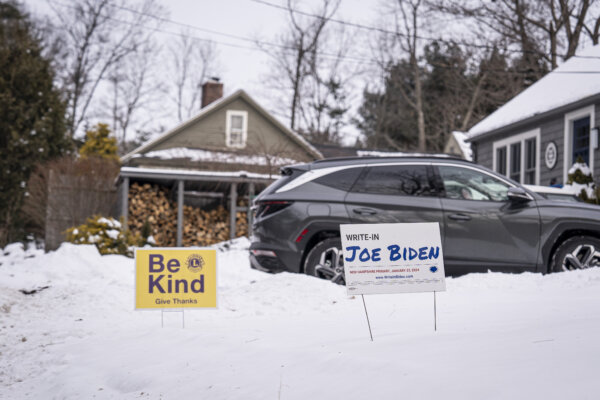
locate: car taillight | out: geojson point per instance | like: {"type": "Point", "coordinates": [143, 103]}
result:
{"type": "Point", "coordinates": [269, 207]}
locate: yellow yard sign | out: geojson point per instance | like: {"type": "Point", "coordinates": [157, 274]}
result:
{"type": "Point", "coordinates": [175, 278]}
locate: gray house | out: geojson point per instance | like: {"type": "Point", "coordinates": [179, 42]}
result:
{"type": "Point", "coordinates": [538, 135]}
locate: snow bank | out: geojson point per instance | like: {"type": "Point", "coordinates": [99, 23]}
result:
{"type": "Point", "coordinates": [290, 336]}
{"type": "Point", "coordinates": [17, 252]}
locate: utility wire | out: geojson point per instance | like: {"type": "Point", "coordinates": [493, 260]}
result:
{"type": "Point", "coordinates": [258, 43]}
{"type": "Point", "coordinates": [424, 38]}
{"type": "Point", "coordinates": [229, 35]}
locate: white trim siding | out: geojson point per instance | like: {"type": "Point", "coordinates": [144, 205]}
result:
{"type": "Point", "coordinates": [522, 139]}
{"type": "Point", "coordinates": [568, 137]}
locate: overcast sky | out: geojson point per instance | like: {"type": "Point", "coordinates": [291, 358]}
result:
{"type": "Point", "coordinates": [241, 64]}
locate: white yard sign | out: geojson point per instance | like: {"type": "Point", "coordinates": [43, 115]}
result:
{"type": "Point", "coordinates": [393, 258]}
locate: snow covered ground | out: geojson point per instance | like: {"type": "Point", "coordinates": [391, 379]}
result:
{"type": "Point", "coordinates": [289, 336]}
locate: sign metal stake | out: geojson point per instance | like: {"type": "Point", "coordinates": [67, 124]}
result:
{"type": "Point", "coordinates": [434, 313]}
{"type": "Point", "coordinates": [367, 314]}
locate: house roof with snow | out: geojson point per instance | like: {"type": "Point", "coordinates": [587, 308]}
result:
{"type": "Point", "coordinates": [232, 133]}
{"type": "Point", "coordinates": [457, 144]}
{"type": "Point", "coordinates": [576, 80]}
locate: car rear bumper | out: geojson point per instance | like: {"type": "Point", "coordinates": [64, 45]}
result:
{"type": "Point", "coordinates": [272, 258]}
{"type": "Point", "coordinates": [266, 263]}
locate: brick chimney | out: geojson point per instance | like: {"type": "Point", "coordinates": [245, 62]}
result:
{"type": "Point", "coordinates": [211, 90]}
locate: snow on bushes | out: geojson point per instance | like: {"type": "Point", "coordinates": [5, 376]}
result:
{"type": "Point", "coordinates": [581, 182]}
{"type": "Point", "coordinates": [108, 236]}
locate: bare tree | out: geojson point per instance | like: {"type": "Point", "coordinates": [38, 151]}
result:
{"type": "Point", "coordinates": [192, 63]}
{"type": "Point", "coordinates": [546, 29]}
{"type": "Point", "coordinates": [95, 36]}
{"type": "Point", "coordinates": [134, 87]}
{"type": "Point", "coordinates": [296, 50]}
{"type": "Point", "coordinates": [592, 25]}
{"type": "Point", "coordinates": [324, 100]}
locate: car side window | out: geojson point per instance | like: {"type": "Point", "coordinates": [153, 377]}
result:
{"type": "Point", "coordinates": [341, 180]}
{"type": "Point", "coordinates": [467, 184]}
{"type": "Point", "coordinates": [406, 180]}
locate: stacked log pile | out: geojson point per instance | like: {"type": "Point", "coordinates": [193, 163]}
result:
{"type": "Point", "coordinates": [200, 227]}
{"type": "Point", "coordinates": [151, 203]}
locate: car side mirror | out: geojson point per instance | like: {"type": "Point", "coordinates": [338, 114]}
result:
{"type": "Point", "coordinates": [518, 195]}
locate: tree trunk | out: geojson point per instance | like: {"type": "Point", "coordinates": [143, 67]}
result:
{"type": "Point", "coordinates": [473, 102]}
{"type": "Point", "coordinates": [419, 105]}
{"type": "Point", "coordinates": [296, 84]}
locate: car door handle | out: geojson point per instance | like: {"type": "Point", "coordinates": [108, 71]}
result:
{"type": "Point", "coordinates": [459, 217]}
{"type": "Point", "coordinates": [364, 211]}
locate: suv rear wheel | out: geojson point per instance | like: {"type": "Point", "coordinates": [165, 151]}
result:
{"type": "Point", "coordinates": [578, 252]}
{"type": "Point", "coordinates": [326, 261]}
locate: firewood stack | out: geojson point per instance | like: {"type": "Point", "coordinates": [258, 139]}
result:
{"type": "Point", "coordinates": [200, 227]}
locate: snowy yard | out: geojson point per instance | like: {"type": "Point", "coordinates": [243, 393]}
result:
{"type": "Point", "coordinates": [290, 336]}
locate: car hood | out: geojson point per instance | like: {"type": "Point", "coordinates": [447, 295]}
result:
{"type": "Point", "coordinates": [571, 205]}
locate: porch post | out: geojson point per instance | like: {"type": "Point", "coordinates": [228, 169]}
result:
{"type": "Point", "coordinates": [250, 197]}
{"type": "Point", "coordinates": [180, 188]}
{"type": "Point", "coordinates": [232, 210]}
{"type": "Point", "coordinates": [125, 201]}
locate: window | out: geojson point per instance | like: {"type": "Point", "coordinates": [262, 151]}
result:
{"type": "Point", "coordinates": [501, 160]}
{"type": "Point", "coordinates": [405, 180]}
{"type": "Point", "coordinates": [342, 180]}
{"type": "Point", "coordinates": [517, 157]}
{"type": "Point", "coordinates": [515, 161]}
{"type": "Point", "coordinates": [236, 128]}
{"type": "Point", "coordinates": [577, 128]}
{"type": "Point", "coordinates": [530, 161]}
{"type": "Point", "coordinates": [581, 139]}
{"type": "Point", "coordinates": [467, 184]}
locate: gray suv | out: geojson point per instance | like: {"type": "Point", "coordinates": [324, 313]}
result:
{"type": "Point", "coordinates": [487, 221]}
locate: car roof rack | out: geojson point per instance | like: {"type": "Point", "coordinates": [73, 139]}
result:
{"type": "Point", "coordinates": [395, 157]}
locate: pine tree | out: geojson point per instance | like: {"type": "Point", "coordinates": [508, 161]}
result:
{"type": "Point", "coordinates": [32, 123]}
{"type": "Point", "coordinates": [99, 143]}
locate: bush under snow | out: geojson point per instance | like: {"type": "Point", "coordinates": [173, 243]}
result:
{"type": "Point", "coordinates": [108, 235]}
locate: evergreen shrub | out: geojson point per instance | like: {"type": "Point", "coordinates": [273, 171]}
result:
{"type": "Point", "coordinates": [108, 235]}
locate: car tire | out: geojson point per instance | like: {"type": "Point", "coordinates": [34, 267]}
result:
{"type": "Point", "coordinates": [579, 252]}
{"type": "Point", "coordinates": [325, 261]}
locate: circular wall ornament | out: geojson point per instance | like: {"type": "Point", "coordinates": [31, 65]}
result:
{"type": "Point", "coordinates": [551, 155]}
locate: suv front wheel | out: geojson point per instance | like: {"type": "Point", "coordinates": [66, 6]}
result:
{"type": "Point", "coordinates": [326, 261]}
{"type": "Point", "coordinates": [578, 252]}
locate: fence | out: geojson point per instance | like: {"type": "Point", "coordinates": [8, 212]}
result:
{"type": "Point", "coordinates": [71, 200]}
